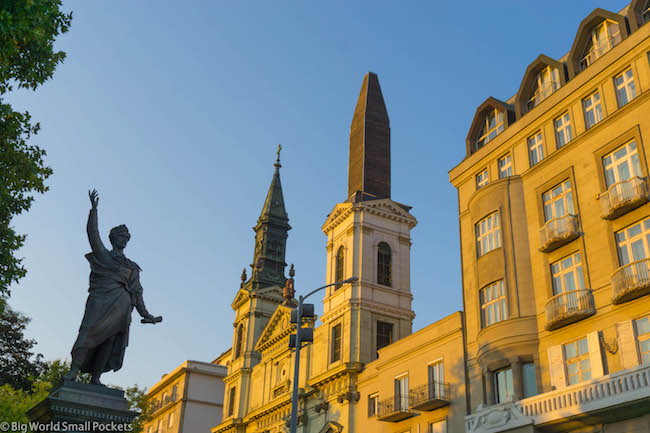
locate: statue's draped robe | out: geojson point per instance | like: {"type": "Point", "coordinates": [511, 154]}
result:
{"type": "Point", "coordinates": [114, 290]}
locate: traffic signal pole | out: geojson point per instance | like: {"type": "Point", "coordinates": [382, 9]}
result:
{"type": "Point", "coordinates": [296, 369]}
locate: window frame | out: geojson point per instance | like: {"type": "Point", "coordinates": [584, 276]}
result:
{"type": "Point", "coordinates": [615, 163]}
{"type": "Point", "coordinates": [508, 168]}
{"type": "Point", "coordinates": [536, 141]}
{"type": "Point", "coordinates": [561, 131]}
{"type": "Point", "coordinates": [575, 269]}
{"type": "Point", "coordinates": [384, 268]}
{"type": "Point", "coordinates": [436, 377]}
{"type": "Point", "coordinates": [497, 303]}
{"type": "Point", "coordinates": [373, 404]}
{"type": "Point", "coordinates": [625, 85]}
{"type": "Point", "coordinates": [633, 133]}
{"type": "Point", "coordinates": [336, 350]}
{"type": "Point", "coordinates": [482, 178]}
{"type": "Point", "coordinates": [403, 398]}
{"type": "Point", "coordinates": [644, 356]}
{"type": "Point", "coordinates": [597, 108]}
{"type": "Point", "coordinates": [567, 197]}
{"type": "Point", "coordinates": [629, 241]}
{"type": "Point", "coordinates": [510, 390]}
{"type": "Point", "coordinates": [495, 230]}
{"type": "Point", "coordinates": [390, 335]}
{"type": "Point", "coordinates": [499, 127]}
{"type": "Point", "coordinates": [339, 266]}
{"type": "Point", "coordinates": [578, 359]}
{"type": "Point", "coordinates": [232, 395]}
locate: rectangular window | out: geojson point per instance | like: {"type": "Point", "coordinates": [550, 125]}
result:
{"type": "Point", "coordinates": [494, 306]}
{"type": "Point", "coordinates": [231, 401]}
{"type": "Point", "coordinates": [563, 130]}
{"type": "Point", "coordinates": [402, 393]}
{"type": "Point", "coordinates": [529, 379]}
{"type": "Point", "coordinates": [622, 164]}
{"type": "Point", "coordinates": [567, 276]}
{"type": "Point", "coordinates": [505, 166]}
{"type": "Point", "coordinates": [159, 426]}
{"type": "Point", "coordinates": [558, 201]}
{"type": "Point", "coordinates": [578, 365]}
{"type": "Point", "coordinates": [633, 243]}
{"type": "Point", "coordinates": [625, 87]}
{"type": "Point", "coordinates": [373, 401]}
{"type": "Point", "coordinates": [438, 427]}
{"type": "Point", "coordinates": [436, 380]}
{"type": "Point", "coordinates": [492, 127]}
{"type": "Point", "coordinates": [174, 392]}
{"type": "Point", "coordinates": [384, 334]}
{"type": "Point", "coordinates": [170, 420]}
{"type": "Point", "coordinates": [482, 179]}
{"type": "Point", "coordinates": [593, 110]}
{"type": "Point", "coordinates": [503, 385]}
{"type": "Point", "coordinates": [336, 343]}
{"type": "Point", "coordinates": [488, 234]}
{"type": "Point", "coordinates": [535, 149]}
{"type": "Point", "coordinates": [643, 335]}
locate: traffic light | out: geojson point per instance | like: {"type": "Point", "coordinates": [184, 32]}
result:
{"type": "Point", "coordinates": [306, 336]}
{"type": "Point", "coordinates": [307, 313]}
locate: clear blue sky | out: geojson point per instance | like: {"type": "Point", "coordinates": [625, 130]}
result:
{"type": "Point", "coordinates": [173, 111]}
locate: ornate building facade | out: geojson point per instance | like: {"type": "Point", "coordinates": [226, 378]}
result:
{"type": "Point", "coordinates": [555, 259]}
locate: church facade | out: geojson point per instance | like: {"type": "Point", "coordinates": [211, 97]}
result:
{"type": "Point", "coordinates": [554, 219]}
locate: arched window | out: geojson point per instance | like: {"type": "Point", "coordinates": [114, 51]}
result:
{"type": "Point", "coordinates": [384, 262]}
{"type": "Point", "coordinates": [340, 257]}
{"type": "Point", "coordinates": [239, 346]}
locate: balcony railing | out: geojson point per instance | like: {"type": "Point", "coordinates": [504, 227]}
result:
{"type": "Point", "coordinates": [430, 396]}
{"type": "Point", "coordinates": [558, 232]}
{"type": "Point", "coordinates": [623, 196]}
{"type": "Point", "coordinates": [607, 399]}
{"type": "Point", "coordinates": [542, 94]}
{"type": "Point", "coordinates": [394, 409]}
{"type": "Point", "coordinates": [569, 307]}
{"type": "Point", "coordinates": [598, 51]}
{"type": "Point", "coordinates": [159, 404]}
{"type": "Point", "coordinates": [631, 281]}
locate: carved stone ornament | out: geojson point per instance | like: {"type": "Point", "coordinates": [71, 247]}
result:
{"type": "Point", "coordinates": [497, 418]}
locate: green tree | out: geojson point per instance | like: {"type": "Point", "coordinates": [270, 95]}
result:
{"type": "Point", "coordinates": [137, 398]}
{"type": "Point", "coordinates": [14, 403]}
{"type": "Point", "coordinates": [19, 365]}
{"type": "Point", "coordinates": [28, 29]}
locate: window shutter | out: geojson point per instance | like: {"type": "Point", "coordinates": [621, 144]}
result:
{"type": "Point", "coordinates": [556, 366]}
{"type": "Point", "coordinates": [627, 344]}
{"type": "Point", "coordinates": [595, 355]}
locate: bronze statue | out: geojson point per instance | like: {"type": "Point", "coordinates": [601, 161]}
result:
{"type": "Point", "coordinates": [114, 290]}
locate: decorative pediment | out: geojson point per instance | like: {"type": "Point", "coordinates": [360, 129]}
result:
{"type": "Point", "coordinates": [331, 427]}
{"type": "Point", "coordinates": [279, 326]}
{"type": "Point", "coordinates": [270, 293]}
{"type": "Point", "coordinates": [385, 207]}
{"type": "Point", "coordinates": [241, 297]}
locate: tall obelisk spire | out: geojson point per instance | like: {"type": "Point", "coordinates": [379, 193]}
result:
{"type": "Point", "coordinates": [369, 161]}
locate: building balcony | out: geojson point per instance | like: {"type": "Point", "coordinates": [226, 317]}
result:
{"type": "Point", "coordinates": [161, 404]}
{"type": "Point", "coordinates": [557, 232]}
{"type": "Point", "coordinates": [631, 281]}
{"type": "Point", "coordinates": [599, 50]}
{"type": "Point", "coordinates": [607, 399]}
{"type": "Point", "coordinates": [542, 94]}
{"type": "Point", "coordinates": [623, 197]}
{"type": "Point", "coordinates": [394, 409]}
{"type": "Point", "coordinates": [569, 307]}
{"type": "Point", "coordinates": [430, 396]}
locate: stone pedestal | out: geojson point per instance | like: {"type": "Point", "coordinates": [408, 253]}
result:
{"type": "Point", "coordinates": [86, 406]}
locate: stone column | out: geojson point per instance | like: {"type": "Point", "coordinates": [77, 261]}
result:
{"type": "Point", "coordinates": [488, 376]}
{"type": "Point", "coordinates": [517, 378]}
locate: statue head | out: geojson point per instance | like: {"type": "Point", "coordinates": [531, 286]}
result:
{"type": "Point", "coordinates": [119, 236]}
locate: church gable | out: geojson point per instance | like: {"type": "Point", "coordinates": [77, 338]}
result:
{"type": "Point", "coordinates": [336, 217]}
{"type": "Point", "coordinates": [391, 210]}
{"type": "Point", "coordinates": [242, 296]}
{"type": "Point", "coordinates": [279, 326]}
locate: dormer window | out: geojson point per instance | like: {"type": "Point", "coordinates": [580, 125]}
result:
{"type": "Point", "coordinates": [492, 127]}
{"type": "Point", "coordinates": [548, 81]}
{"type": "Point", "coordinates": [603, 38]}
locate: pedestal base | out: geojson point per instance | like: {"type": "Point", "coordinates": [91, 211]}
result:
{"type": "Point", "coordinates": [85, 406]}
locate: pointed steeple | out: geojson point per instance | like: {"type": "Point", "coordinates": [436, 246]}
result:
{"type": "Point", "coordinates": [369, 161]}
{"type": "Point", "coordinates": [271, 237]}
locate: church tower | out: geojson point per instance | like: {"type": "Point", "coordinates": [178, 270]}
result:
{"type": "Point", "coordinates": [258, 297]}
{"type": "Point", "coordinates": [368, 236]}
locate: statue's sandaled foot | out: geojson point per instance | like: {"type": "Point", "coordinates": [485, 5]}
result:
{"type": "Point", "coordinates": [71, 376]}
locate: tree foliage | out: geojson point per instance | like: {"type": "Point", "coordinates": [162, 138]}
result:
{"type": "Point", "coordinates": [28, 29]}
{"type": "Point", "coordinates": [19, 366]}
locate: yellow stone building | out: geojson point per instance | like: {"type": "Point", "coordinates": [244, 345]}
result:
{"type": "Point", "coordinates": [555, 258]}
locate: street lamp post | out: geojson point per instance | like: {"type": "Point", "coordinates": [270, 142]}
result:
{"type": "Point", "coordinates": [296, 370]}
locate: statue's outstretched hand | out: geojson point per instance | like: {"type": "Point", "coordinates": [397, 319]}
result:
{"type": "Point", "coordinates": [94, 198]}
{"type": "Point", "coordinates": [151, 319]}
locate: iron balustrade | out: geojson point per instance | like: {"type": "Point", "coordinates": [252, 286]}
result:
{"type": "Point", "coordinates": [569, 307]}
{"type": "Point", "coordinates": [430, 395]}
{"type": "Point", "coordinates": [623, 196]}
{"type": "Point", "coordinates": [631, 281]}
{"type": "Point", "coordinates": [163, 402]}
{"type": "Point", "coordinates": [542, 94]}
{"type": "Point", "coordinates": [597, 51]}
{"type": "Point", "coordinates": [394, 408]}
{"type": "Point", "coordinates": [557, 232]}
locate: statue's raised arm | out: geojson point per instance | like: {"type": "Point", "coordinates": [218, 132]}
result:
{"type": "Point", "coordinates": [92, 228]}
